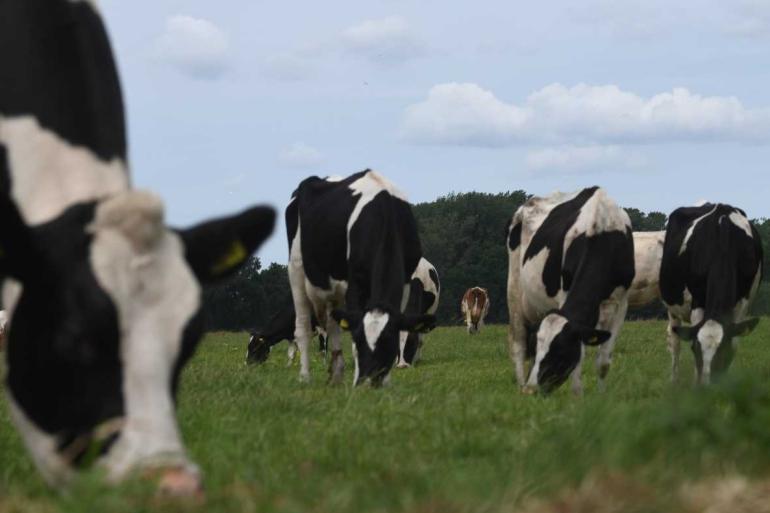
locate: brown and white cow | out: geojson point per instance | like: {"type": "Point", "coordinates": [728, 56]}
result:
{"type": "Point", "coordinates": [475, 307]}
{"type": "Point", "coordinates": [648, 253]}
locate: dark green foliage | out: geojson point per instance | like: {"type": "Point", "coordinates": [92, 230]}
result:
{"type": "Point", "coordinates": [464, 236]}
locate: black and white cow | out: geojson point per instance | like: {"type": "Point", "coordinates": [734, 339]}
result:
{"type": "Point", "coordinates": [353, 248]}
{"type": "Point", "coordinates": [103, 300]}
{"type": "Point", "coordinates": [711, 269]}
{"type": "Point", "coordinates": [280, 327]}
{"type": "Point", "coordinates": [424, 293]}
{"type": "Point", "coordinates": [571, 265]}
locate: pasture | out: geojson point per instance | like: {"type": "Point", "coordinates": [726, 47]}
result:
{"type": "Point", "coordinates": [452, 435]}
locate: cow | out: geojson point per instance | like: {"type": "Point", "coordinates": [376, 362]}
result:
{"type": "Point", "coordinates": [648, 253]}
{"type": "Point", "coordinates": [710, 274]}
{"type": "Point", "coordinates": [280, 327]}
{"type": "Point", "coordinates": [353, 248]}
{"type": "Point", "coordinates": [571, 264]}
{"type": "Point", "coordinates": [103, 299]}
{"type": "Point", "coordinates": [3, 324]}
{"type": "Point", "coordinates": [424, 292]}
{"type": "Point", "coordinates": [475, 307]}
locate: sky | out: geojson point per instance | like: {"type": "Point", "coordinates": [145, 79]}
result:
{"type": "Point", "coordinates": [232, 103]}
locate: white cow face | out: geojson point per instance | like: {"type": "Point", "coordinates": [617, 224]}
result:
{"type": "Point", "coordinates": [376, 339]}
{"type": "Point", "coordinates": [714, 344]}
{"type": "Point", "coordinates": [105, 311]}
{"type": "Point", "coordinates": [559, 350]}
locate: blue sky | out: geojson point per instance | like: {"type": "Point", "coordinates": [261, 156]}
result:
{"type": "Point", "coordinates": [232, 103]}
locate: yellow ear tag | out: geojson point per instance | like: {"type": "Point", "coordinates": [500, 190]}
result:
{"type": "Point", "coordinates": [344, 324]}
{"type": "Point", "coordinates": [235, 255]}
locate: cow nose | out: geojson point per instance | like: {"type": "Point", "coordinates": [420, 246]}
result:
{"type": "Point", "coordinates": [179, 482]}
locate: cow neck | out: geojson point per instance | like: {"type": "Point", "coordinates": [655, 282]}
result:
{"type": "Point", "coordinates": [387, 277]}
{"type": "Point", "coordinates": [591, 284]}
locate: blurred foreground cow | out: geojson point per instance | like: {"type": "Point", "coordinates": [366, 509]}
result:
{"type": "Point", "coordinates": [280, 327]}
{"type": "Point", "coordinates": [571, 265]}
{"type": "Point", "coordinates": [648, 253]}
{"type": "Point", "coordinates": [353, 248]}
{"type": "Point", "coordinates": [424, 292]}
{"type": "Point", "coordinates": [103, 300]}
{"type": "Point", "coordinates": [710, 274]}
{"type": "Point", "coordinates": [475, 307]}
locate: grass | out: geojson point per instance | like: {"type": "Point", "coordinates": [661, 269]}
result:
{"type": "Point", "coordinates": [451, 435]}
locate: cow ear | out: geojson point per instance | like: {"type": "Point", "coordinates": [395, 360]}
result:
{"type": "Point", "coordinates": [218, 248]}
{"type": "Point", "coordinates": [685, 332]}
{"type": "Point", "coordinates": [346, 320]}
{"type": "Point", "coordinates": [743, 328]}
{"type": "Point", "coordinates": [417, 324]}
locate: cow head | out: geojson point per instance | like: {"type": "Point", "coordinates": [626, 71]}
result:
{"type": "Point", "coordinates": [258, 349]}
{"type": "Point", "coordinates": [559, 350]}
{"type": "Point", "coordinates": [376, 335]}
{"type": "Point", "coordinates": [105, 309]}
{"type": "Point", "coordinates": [713, 344]}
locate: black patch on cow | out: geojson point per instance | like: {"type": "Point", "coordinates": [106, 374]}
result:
{"type": "Point", "coordinates": [57, 66]}
{"type": "Point", "coordinates": [551, 235]}
{"type": "Point", "coordinates": [593, 268]}
{"type": "Point", "coordinates": [322, 210]}
{"type": "Point", "coordinates": [64, 366]}
{"type": "Point", "coordinates": [514, 237]}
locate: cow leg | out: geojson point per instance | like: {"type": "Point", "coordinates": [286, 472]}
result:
{"type": "Point", "coordinates": [517, 346]}
{"type": "Point", "coordinates": [291, 353]}
{"type": "Point", "coordinates": [402, 337]}
{"type": "Point", "coordinates": [604, 355]}
{"type": "Point", "coordinates": [577, 374]}
{"type": "Point", "coordinates": [418, 353]}
{"type": "Point", "coordinates": [303, 327]}
{"type": "Point", "coordinates": [337, 362]}
{"type": "Point", "coordinates": [673, 346]}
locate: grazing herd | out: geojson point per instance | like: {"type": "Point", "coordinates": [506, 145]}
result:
{"type": "Point", "coordinates": [103, 300]}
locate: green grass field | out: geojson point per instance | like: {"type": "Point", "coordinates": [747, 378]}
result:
{"type": "Point", "coordinates": [451, 435]}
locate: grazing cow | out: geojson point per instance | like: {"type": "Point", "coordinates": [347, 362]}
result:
{"type": "Point", "coordinates": [710, 274]}
{"type": "Point", "coordinates": [475, 307]}
{"type": "Point", "coordinates": [353, 247]}
{"type": "Point", "coordinates": [103, 299]}
{"type": "Point", "coordinates": [571, 265]}
{"type": "Point", "coordinates": [3, 324]}
{"type": "Point", "coordinates": [648, 253]}
{"type": "Point", "coordinates": [280, 327]}
{"type": "Point", "coordinates": [424, 292]}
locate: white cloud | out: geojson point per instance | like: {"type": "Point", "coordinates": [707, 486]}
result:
{"type": "Point", "coordinates": [466, 114]}
{"type": "Point", "coordinates": [583, 158]}
{"type": "Point", "coordinates": [194, 46]}
{"type": "Point", "coordinates": [384, 41]}
{"type": "Point", "coordinates": [300, 156]}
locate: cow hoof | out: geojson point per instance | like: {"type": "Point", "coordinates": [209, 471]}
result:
{"type": "Point", "coordinates": [403, 365]}
{"type": "Point", "coordinates": [304, 379]}
{"type": "Point", "coordinates": [180, 483]}
{"type": "Point", "coordinates": [528, 390]}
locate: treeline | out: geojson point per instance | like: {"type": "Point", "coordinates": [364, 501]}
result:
{"type": "Point", "coordinates": [463, 235]}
